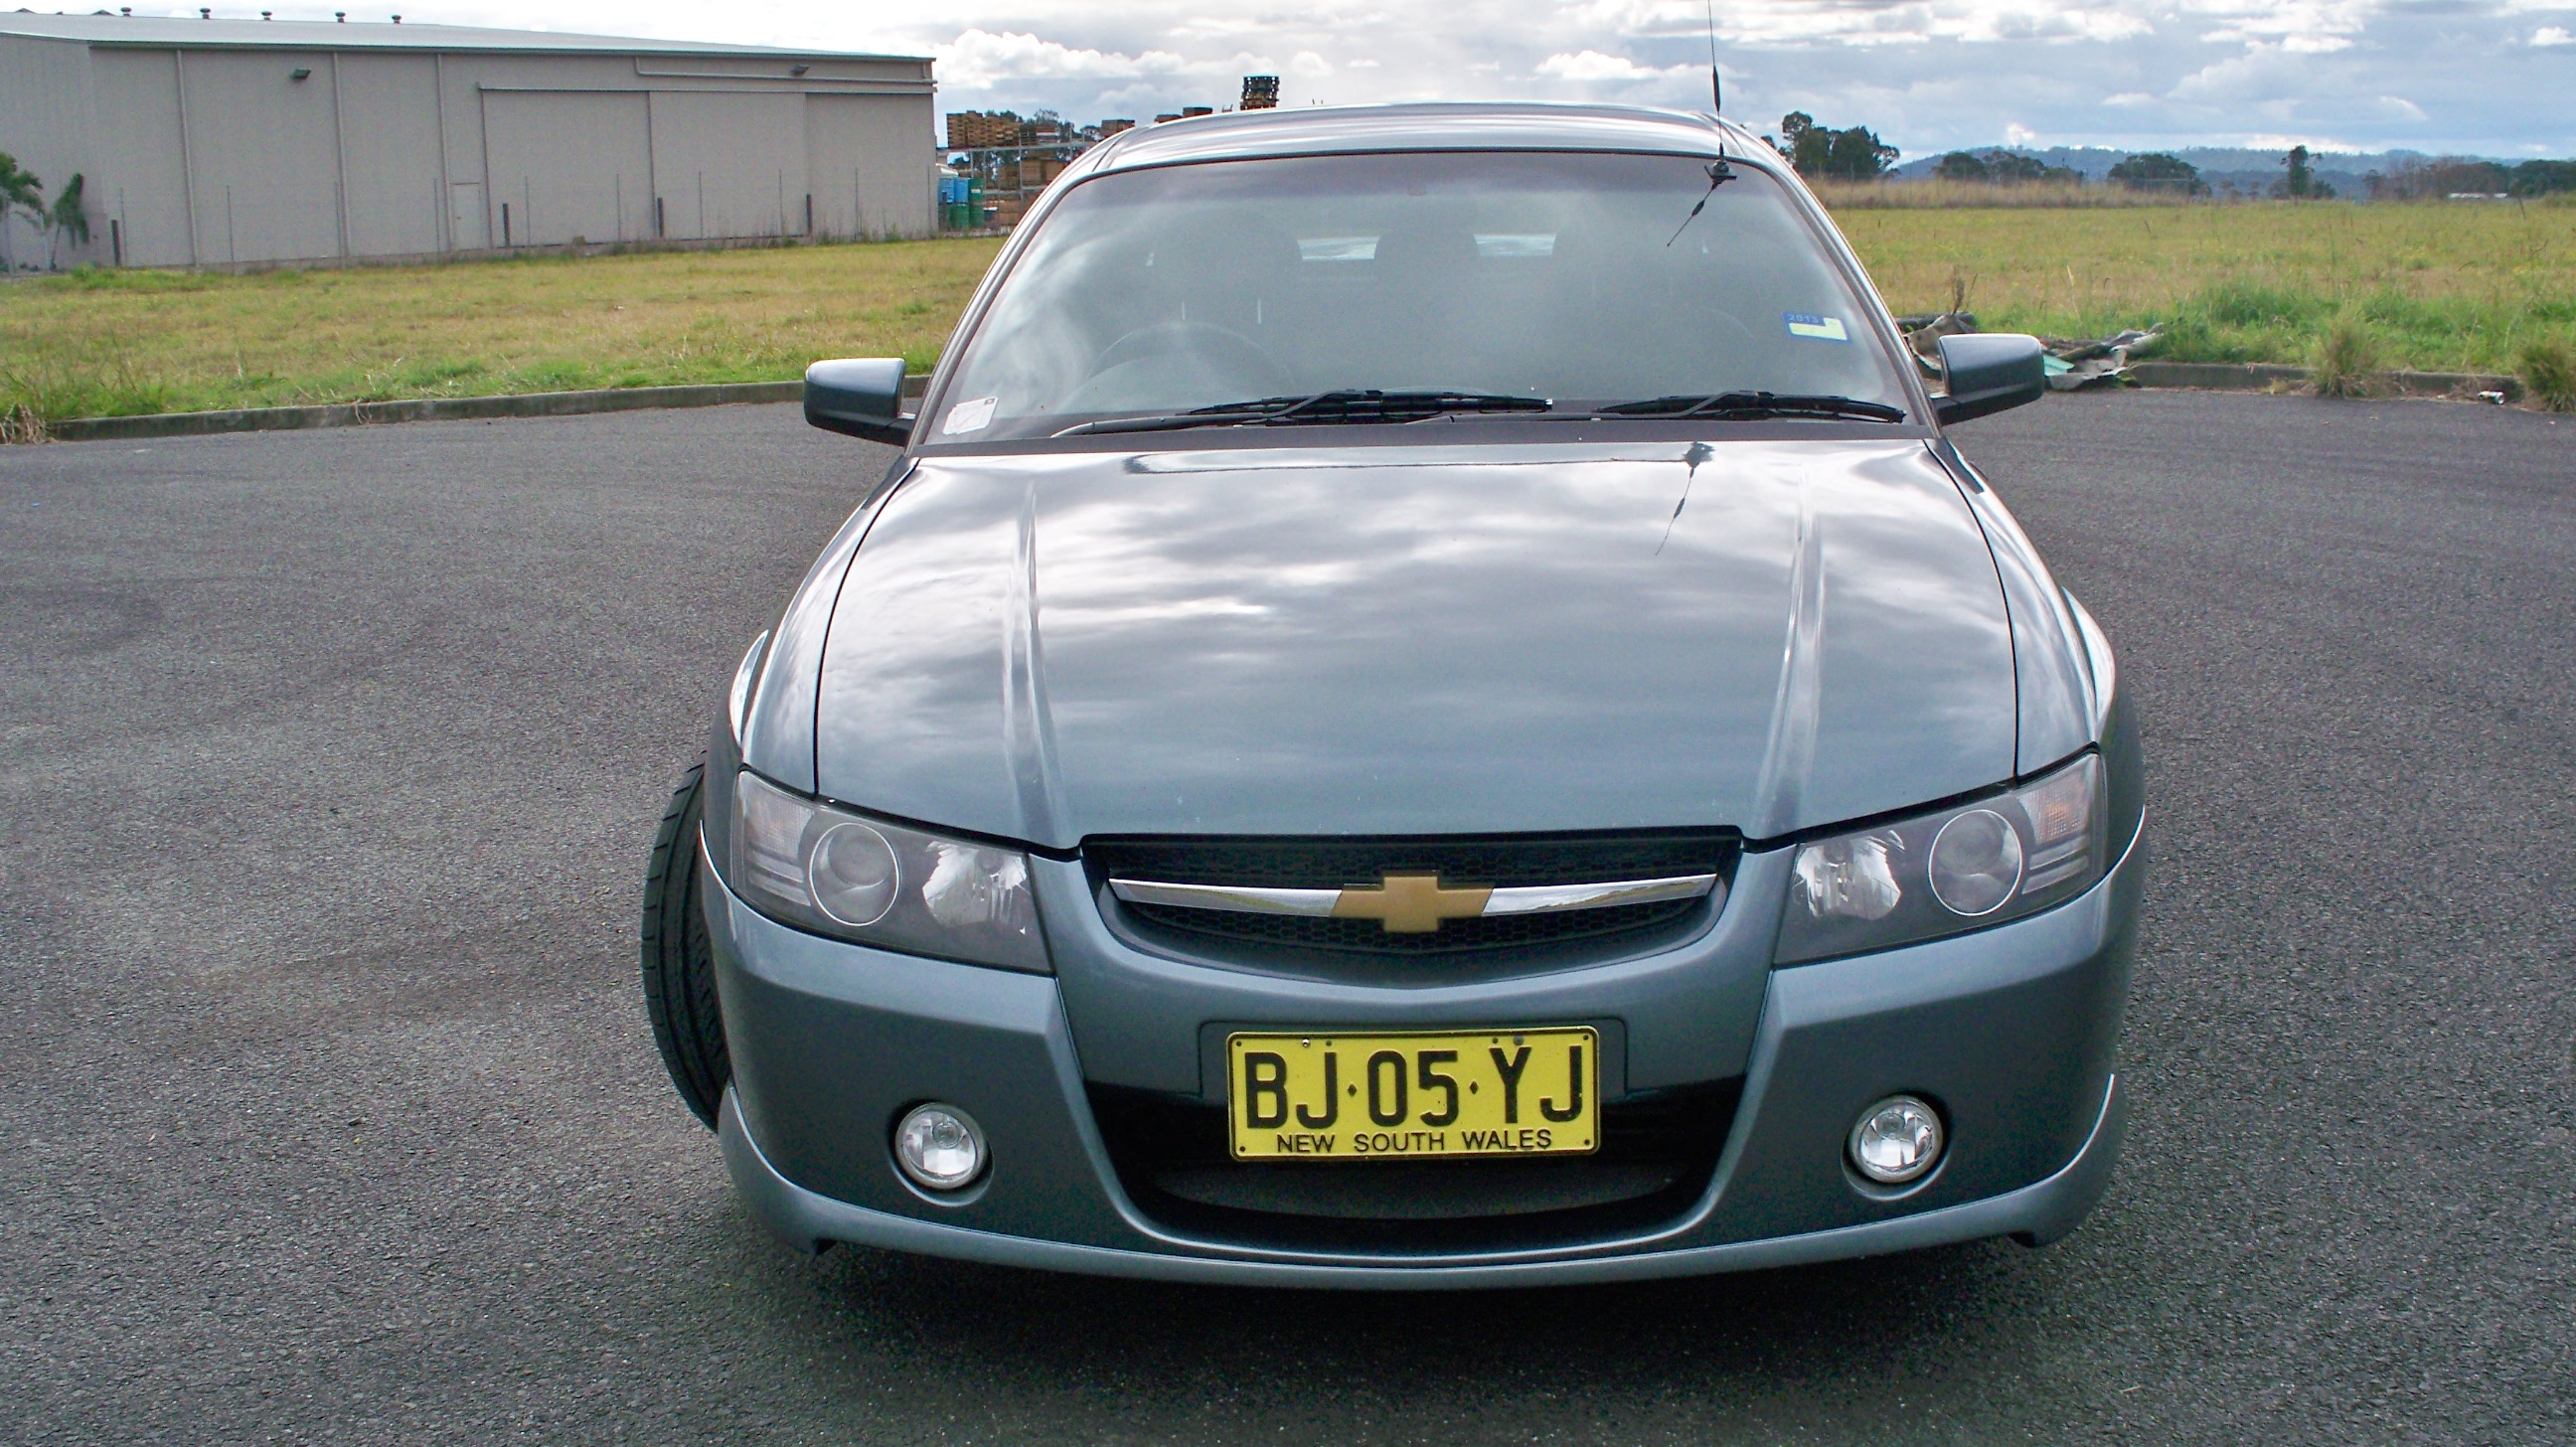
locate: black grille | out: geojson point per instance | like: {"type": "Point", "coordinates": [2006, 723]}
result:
{"type": "Point", "coordinates": [1568, 936]}
{"type": "Point", "coordinates": [1657, 1153]}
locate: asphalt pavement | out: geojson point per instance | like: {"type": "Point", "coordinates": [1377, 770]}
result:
{"type": "Point", "coordinates": [329, 763]}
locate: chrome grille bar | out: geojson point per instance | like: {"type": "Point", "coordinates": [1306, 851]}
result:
{"type": "Point", "coordinates": [1320, 903]}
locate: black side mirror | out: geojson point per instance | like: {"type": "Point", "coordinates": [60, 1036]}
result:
{"type": "Point", "coordinates": [1989, 372]}
{"type": "Point", "coordinates": [860, 396]}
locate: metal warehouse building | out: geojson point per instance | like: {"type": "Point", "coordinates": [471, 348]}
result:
{"type": "Point", "coordinates": [217, 142]}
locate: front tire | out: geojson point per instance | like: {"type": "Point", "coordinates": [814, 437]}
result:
{"type": "Point", "coordinates": [678, 961]}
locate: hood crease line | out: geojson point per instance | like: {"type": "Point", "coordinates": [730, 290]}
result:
{"type": "Point", "coordinates": [1030, 736]}
{"type": "Point", "coordinates": [1791, 751]}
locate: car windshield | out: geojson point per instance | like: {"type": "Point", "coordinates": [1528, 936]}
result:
{"type": "Point", "coordinates": [1586, 279]}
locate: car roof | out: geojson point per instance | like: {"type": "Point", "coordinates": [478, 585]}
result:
{"type": "Point", "coordinates": [1325, 130]}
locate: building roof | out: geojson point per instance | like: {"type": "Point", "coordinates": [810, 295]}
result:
{"type": "Point", "coordinates": [1440, 126]}
{"type": "Point", "coordinates": [165, 32]}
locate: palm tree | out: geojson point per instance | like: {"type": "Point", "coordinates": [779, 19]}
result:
{"type": "Point", "coordinates": [19, 191]}
{"type": "Point", "coordinates": [65, 218]}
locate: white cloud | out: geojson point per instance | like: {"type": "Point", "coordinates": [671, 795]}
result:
{"type": "Point", "coordinates": [2298, 27]}
{"type": "Point", "coordinates": [1591, 66]}
{"type": "Point", "coordinates": [1865, 22]}
{"type": "Point", "coordinates": [1212, 26]}
{"type": "Point", "coordinates": [979, 59]}
{"type": "Point", "coordinates": [2282, 141]}
{"type": "Point", "coordinates": [2478, 76]}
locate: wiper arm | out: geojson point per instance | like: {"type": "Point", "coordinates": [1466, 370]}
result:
{"type": "Point", "coordinates": [1740, 406]}
{"type": "Point", "coordinates": [1345, 405]}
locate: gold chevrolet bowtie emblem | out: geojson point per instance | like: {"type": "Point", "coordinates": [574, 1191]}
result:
{"type": "Point", "coordinates": [1410, 904]}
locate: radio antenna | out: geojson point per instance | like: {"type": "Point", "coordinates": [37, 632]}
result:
{"type": "Point", "coordinates": [1716, 87]}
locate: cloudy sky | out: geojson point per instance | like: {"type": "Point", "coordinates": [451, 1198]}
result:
{"type": "Point", "coordinates": [2494, 77]}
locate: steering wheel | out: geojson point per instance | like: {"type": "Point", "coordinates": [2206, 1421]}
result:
{"type": "Point", "coordinates": [1227, 349]}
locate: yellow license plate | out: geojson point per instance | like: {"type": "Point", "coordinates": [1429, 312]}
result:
{"type": "Point", "coordinates": [1446, 1093]}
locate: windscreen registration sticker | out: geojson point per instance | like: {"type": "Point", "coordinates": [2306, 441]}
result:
{"type": "Point", "coordinates": [969, 416]}
{"type": "Point", "coordinates": [1815, 328]}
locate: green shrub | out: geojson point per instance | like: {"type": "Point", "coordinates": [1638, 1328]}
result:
{"type": "Point", "coordinates": [2548, 368]}
{"type": "Point", "coordinates": [51, 391]}
{"type": "Point", "coordinates": [2346, 362]}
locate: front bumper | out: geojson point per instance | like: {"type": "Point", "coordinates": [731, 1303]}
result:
{"type": "Point", "coordinates": [2039, 1212]}
{"type": "Point", "coordinates": [2010, 1029]}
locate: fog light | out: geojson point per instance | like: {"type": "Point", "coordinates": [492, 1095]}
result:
{"type": "Point", "coordinates": [939, 1147]}
{"type": "Point", "coordinates": [1896, 1140]}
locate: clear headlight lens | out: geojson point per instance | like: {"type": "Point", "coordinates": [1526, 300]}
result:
{"type": "Point", "coordinates": [853, 874]}
{"type": "Point", "coordinates": [1976, 863]}
{"type": "Point", "coordinates": [829, 871]}
{"type": "Point", "coordinates": [1947, 871]}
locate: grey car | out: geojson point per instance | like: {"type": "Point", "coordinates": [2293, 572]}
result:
{"type": "Point", "coordinates": [1428, 704]}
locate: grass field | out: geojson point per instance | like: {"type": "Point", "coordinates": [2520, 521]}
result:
{"type": "Point", "coordinates": [2440, 287]}
{"type": "Point", "coordinates": [107, 343]}
{"type": "Point", "coordinates": [2444, 286]}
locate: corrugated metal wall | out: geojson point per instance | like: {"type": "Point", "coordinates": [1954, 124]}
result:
{"type": "Point", "coordinates": [142, 179]}
{"type": "Point", "coordinates": [847, 138]}
{"type": "Point", "coordinates": [263, 152]}
{"type": "Point", "coordinates": [569, 165]}
{"type": "Point", "coordinates": [217, 157]}
{"type": "Point", "coordinates": [389, 140]}
{"type": "Point", "coordinates": [723, 162]}
{"type": "Point", "coordinates": [43, 109]}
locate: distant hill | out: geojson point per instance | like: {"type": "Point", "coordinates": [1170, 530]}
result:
{"type": "Point", "coordinates": [2221, 166]}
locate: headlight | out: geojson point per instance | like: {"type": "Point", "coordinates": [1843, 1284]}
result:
{"type": "Point", "coordinates": [832, 872]}
{"type": "Point", "coordinates": [1955, 869]}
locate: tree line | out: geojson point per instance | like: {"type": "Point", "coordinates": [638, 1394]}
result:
{"type": "Point", "coordinates": [1855, 153]}
{"type": "Point", "coordinates": [2440, 176]}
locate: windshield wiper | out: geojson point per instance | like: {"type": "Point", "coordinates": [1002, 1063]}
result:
{"type": "Point", "coordinates": [1346, 405]}
{"type": "Point", "coordinates": [1739, 406]}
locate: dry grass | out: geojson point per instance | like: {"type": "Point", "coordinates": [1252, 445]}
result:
{"type": "Point", "coordinates": [116, 342]}
{"type": "Point", "coordinates": [22, 423]}
{"type": "Point", "coordinates": [2346, 363]}
{"type": "Point", "coordinates": [2548, 369]}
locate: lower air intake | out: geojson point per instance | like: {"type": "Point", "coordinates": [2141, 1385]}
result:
{"type": "Point", "coordinates": [1658, 1150]}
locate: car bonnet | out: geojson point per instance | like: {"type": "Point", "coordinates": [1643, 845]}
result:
{"type": "Point", "coordinates": [1765, 635]}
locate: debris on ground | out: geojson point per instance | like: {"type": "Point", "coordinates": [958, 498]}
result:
{"type": "Point", "coordinates": [1924, 333]}
{"type": "Point", "coordinates": [2073, 363]}
{"type": "Point", "coordinates": [22, 423]}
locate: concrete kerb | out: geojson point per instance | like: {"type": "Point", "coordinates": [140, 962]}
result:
{"type": "Point", "coordinates": [431, 409]}
{"type": "Point", "coordinates": [2206, 376]}
{"type": "Point", "coordinates": [2269, 377]}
